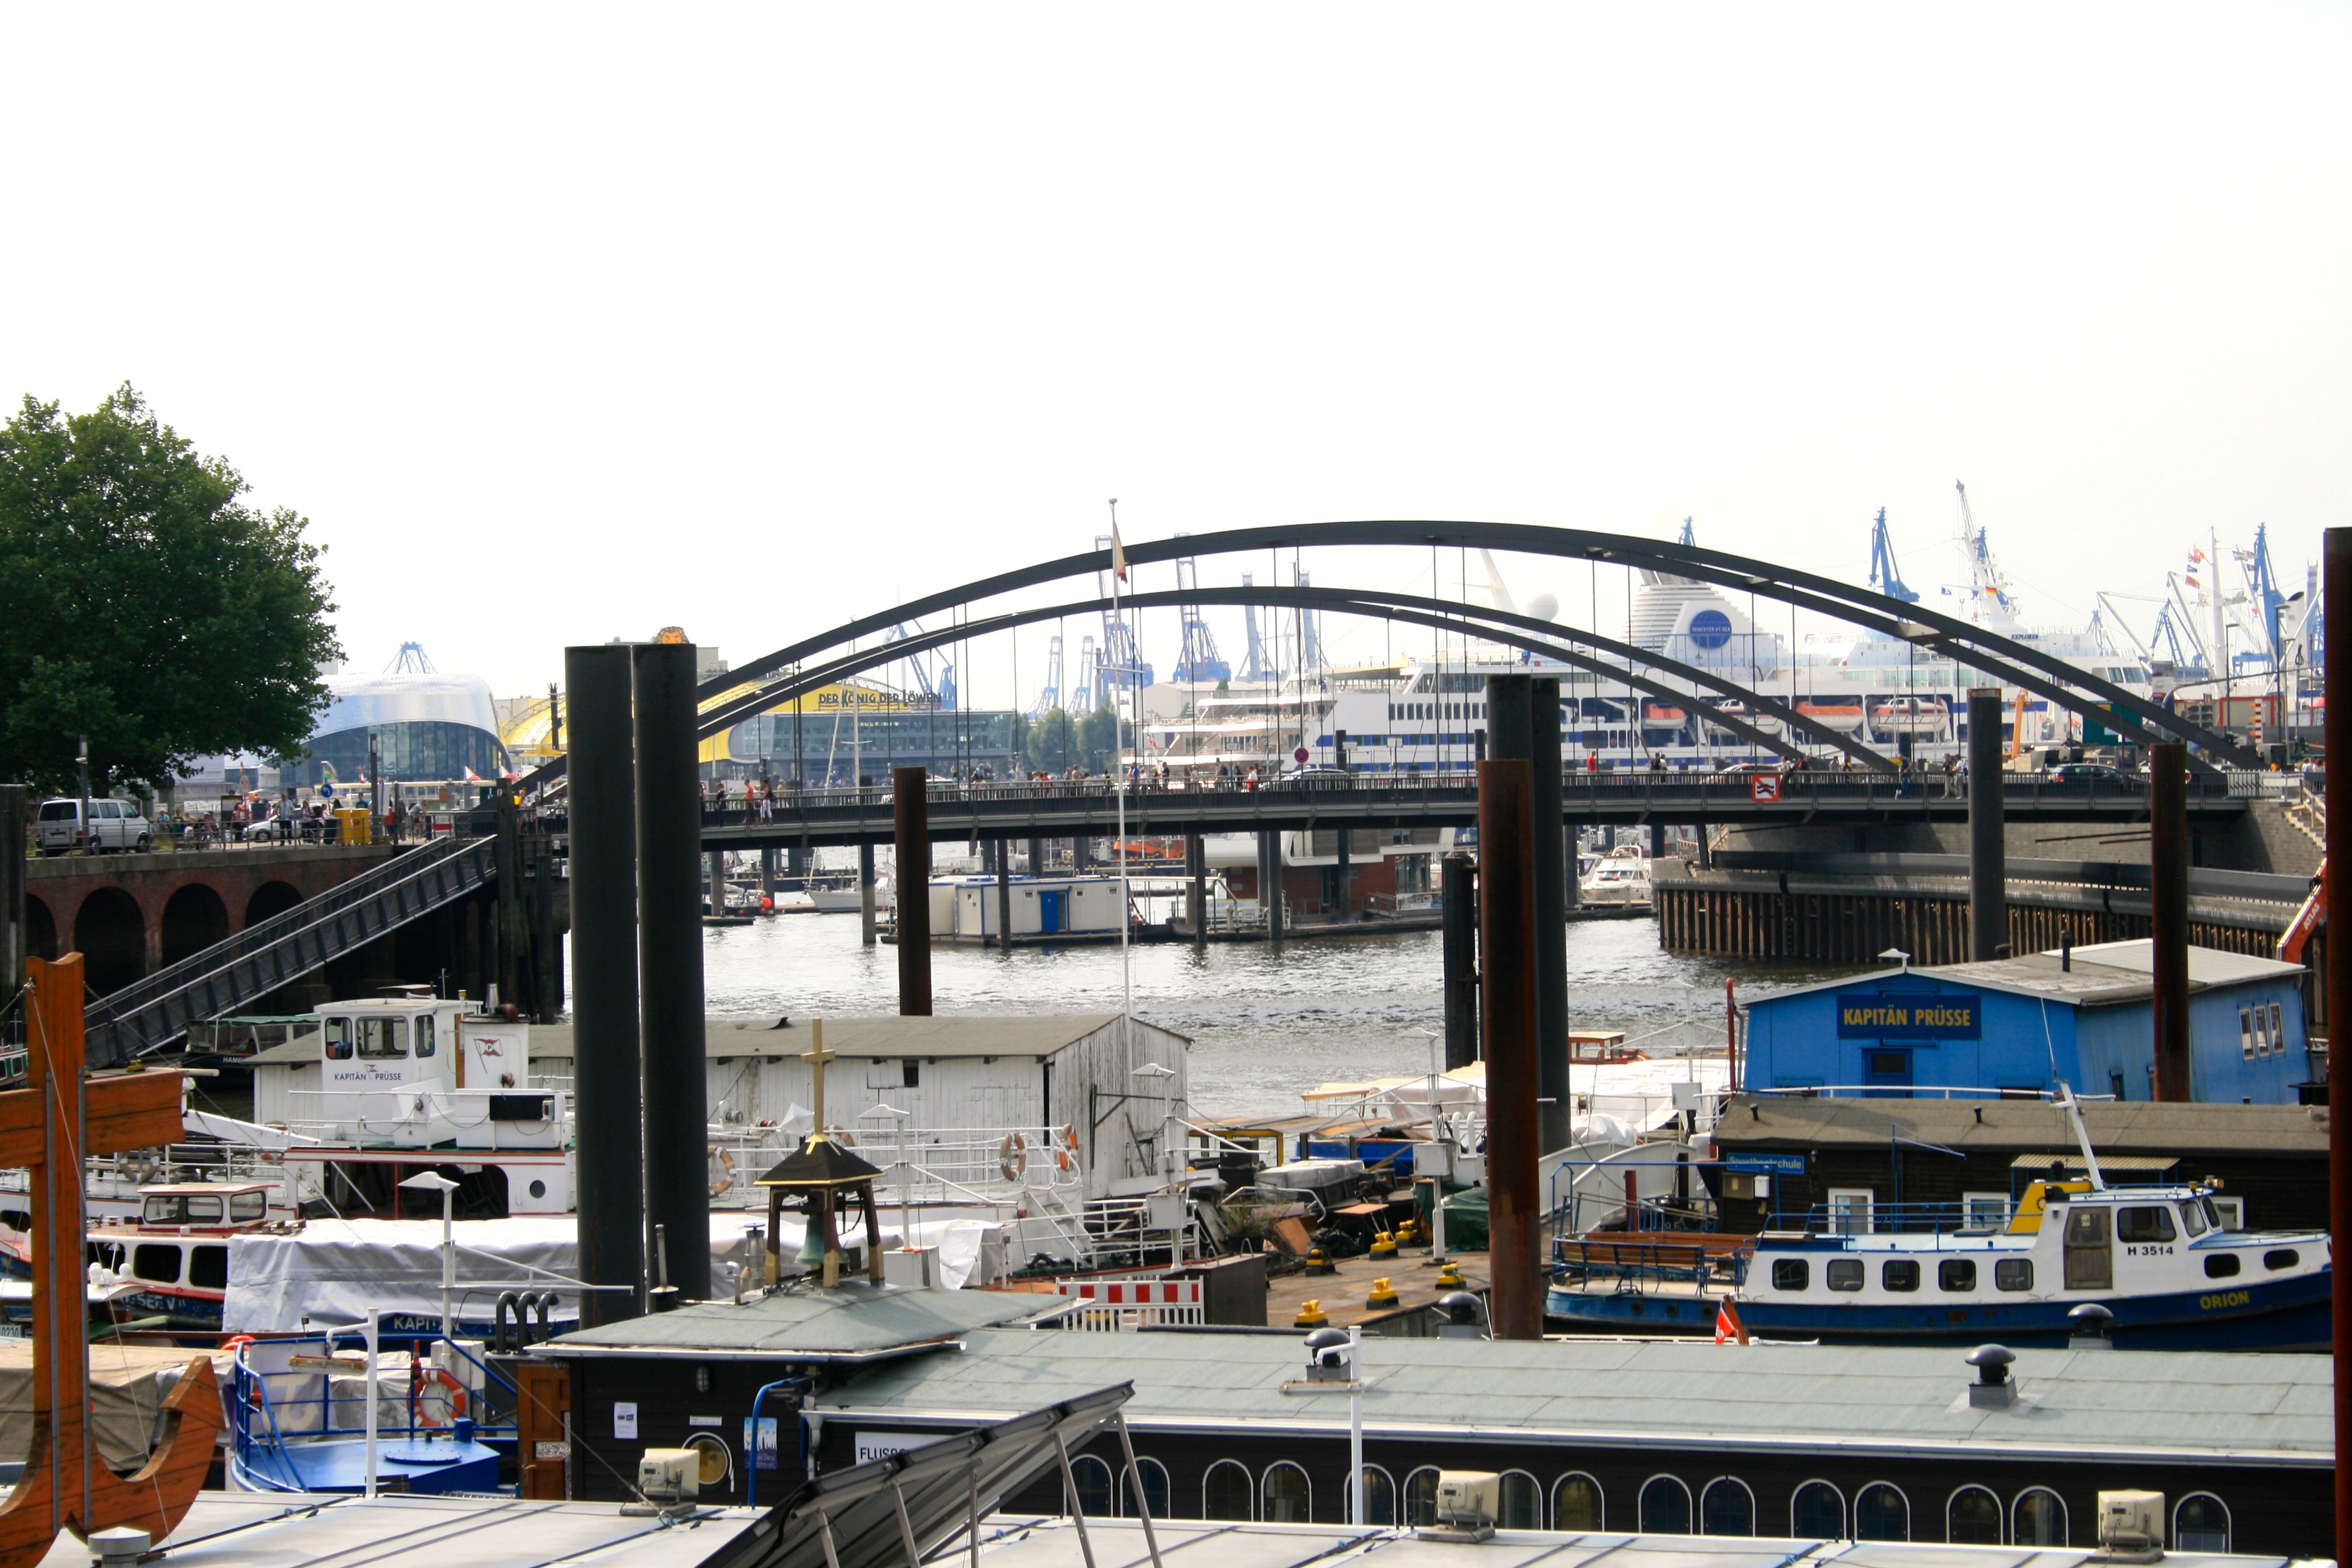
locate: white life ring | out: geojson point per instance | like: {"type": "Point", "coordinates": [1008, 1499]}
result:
{"type": "Point", "coordinates": [1013, 1157]}
{"type": "Point", "coordinates": [726, 1177]}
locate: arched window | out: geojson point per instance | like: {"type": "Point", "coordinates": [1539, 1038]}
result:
{"type": "Point", "coordinates": [1521, 1504]}
{"type": "Point", "coordinates": [1284, 1496]}
{"type": "Point", "coordinates": [2200, 1523]}
{"type": "Point", "coordinates": [1972, 1518]}
{"type": "Point", "coordinates": [2038, 1518]}
{"type": "Point", "coordinates": [1093, 1477]}
{"type": "Point", "coordinates": [1421, 1497]}
{"type": "Point", "coordinates": [1380, 1496]}
{"type": "Point", "coordinates": [1155, 1489]}
{"type": "Point", "coordinates": [1881, 1513]}
{"type": "Point", "coordinates": [1817, 1512]}
{"type": "Point", "coordinates": [1227, 1491]}
{"type": "Point", "coordinates": [1666, 1507]}
{"type": "Point", "coordinates": [1726, 1508]}
{"type": "Point", "coordinates": [1577, 1504]}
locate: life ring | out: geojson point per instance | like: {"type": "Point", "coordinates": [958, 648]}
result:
{"type": "Point", "coordinates": [417, 1396]}
{"type": "Point", "coordinates": [1013, 1157]}
{"type": "Point", "coordinates": [1065, 1145]}
{"type": "Point", "coordinates": [727, 1162]}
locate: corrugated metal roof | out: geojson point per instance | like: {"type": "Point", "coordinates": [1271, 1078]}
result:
{"type": "Point", "coordinates": [2124, 1127]}
{"type": "Point", "coordinates": [2107, 975]}
{"type": "Point", "coordinates": [855, 1320]}
{"type": "Point", "coordinates": [2190, 1406]}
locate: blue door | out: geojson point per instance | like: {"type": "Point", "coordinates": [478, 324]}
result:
{"type": "Point", "coordinates": [1049, 911]}
{"type": "Point", "coordinates": [1889, 1068]}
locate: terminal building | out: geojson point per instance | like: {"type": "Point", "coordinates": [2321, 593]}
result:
{"type": "Point", "coordinates": [2021, 1024]}
{"type": "Point", "coordinates": [423, 725]}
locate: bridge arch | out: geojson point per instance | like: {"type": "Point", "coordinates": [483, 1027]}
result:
{"type": "Point", "coordinates": [111, 934]}
{"type": "Point", "coordinates": [272, 898]}
{"type": "Point", "coordinates": [40, 928]}
{"type": "Point", "coordinates": [194, 918]}
{"type": "Point", "coordinates": [2015, 662]}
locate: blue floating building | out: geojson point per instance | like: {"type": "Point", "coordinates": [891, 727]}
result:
{"type": "Point", "coordinates": [2022, 1024]}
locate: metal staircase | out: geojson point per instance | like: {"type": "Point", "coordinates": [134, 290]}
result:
{"type": "Point", "coordinates": [151, 1012]}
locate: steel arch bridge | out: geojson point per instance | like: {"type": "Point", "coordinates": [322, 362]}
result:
{"type": "Point", "coordinates": [777, 678]}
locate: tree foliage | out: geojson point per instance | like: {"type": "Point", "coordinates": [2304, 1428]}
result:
{"type": "Point", "coordinates": [143, 604]}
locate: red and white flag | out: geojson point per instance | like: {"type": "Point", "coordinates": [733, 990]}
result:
{"type": "Point", "coordinates": [1728, 1325]}
{"type": "Point", "coordinates": [1118, 552]}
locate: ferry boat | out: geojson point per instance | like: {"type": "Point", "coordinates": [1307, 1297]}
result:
{"type": "Point", "coordinates": [173, 1258]}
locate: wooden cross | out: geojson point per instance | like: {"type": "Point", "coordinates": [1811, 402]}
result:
{"type": "Point", "coordinates": [48, 1125]}
{"type": "Point", "coordinates": [817, 1055]}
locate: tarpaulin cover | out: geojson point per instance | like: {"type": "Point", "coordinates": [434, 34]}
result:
{"type": "Point", "coordinates": [127, 1387]}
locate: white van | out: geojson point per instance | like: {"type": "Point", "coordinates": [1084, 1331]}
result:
{"type": "Point", "coordinates": [114, 825]}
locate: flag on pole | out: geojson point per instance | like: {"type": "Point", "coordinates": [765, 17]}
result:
{"type": "Point", "coordinates": [327, 771]}
{"type": "Point", "coordinates": [1728, 1325]}
{"type": "Point", "coordinates": [1117, 551]}
{"type": "Point", "coordinates": [473, 777]}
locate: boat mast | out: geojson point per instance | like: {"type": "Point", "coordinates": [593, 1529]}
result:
{"type": "Point", "coordinates": [2074, 1110]}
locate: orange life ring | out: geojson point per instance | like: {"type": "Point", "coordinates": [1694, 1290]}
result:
{"type": "Point", "coordinates": [726, 1160]}
{"type": "Point", "coordinates": [417, 1396]}
{"type": "Point", "coordinates": [1013, 1157]}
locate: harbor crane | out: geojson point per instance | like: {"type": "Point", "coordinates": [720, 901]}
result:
{"type": "Point", "coordinates": [1049, 697]}
{"type": "Point", "coordinates": [1119, 666]}
{"type": "Point", "coordinates": [940, 689]}
{"type": "Point", "coordinates": [1884, 577]}
{"type": "Point", "coordinates": [1082, 690]}
{"type": "Point", "coordinates": [1255, 667]}
{"type": "Point", "coordinates": [1199, 660]}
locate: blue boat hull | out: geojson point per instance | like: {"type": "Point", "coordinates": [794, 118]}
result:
{"type": "Point", "coordinates": [2276, 1315]}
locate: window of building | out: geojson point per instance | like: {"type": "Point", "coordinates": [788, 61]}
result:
{"type": "Point", "coordinates": [1577, 1504]}
{"type": "Point", "coordinates": [1984, 1211]}
{"type": "Point", "coordinates": [1666, 1507]}
{"type": "Point", "coordinates": [208, 1267]}
{"type": "Point", "coordinates": [1850, 1210]}
{"type": "Point", "coordinates": [1726, 1508]}
{"type": "Point", "coordinates": [1899, 1274]}
{"type": "Point", "coordinates": [1093, 1477]}
{"type": "Point", "coordinates": [156, 1263]}
{"type": "Point", "coordinates": [1226, 1491]}
{"type": "Point", "coordinates": [1156, 1491]}
{"type": "Point", "coordinates": [2013, 1274]}
{"type": "Point", "coordinates": [2246, 1034]}
{"type": "Point", "coordinates": [425, 1034]}
{"type": "Point", "coordinates": [911, 1074]}
{"type": "Point", "coordinates": [380, 1038]}
{"type": "Point", "coordinates": [1881, 1513]}
{"type": "Point", "coordinates": [1520, 1503]}
{"type": "Point", "coordinates": [1421, 1497]}
{"type": "Point", "coordinates": [1972, 1518]}
{"type": "Point", "coordinates": [1791, 1274]}
{"type": "Point", "coordinates": [2221, 1265]}
{"type": "Point", "coordinates": [1956, 1274]}
{"type": "Point", "coordinates": [2145, 1223]}
{"type": "Point", "coordinates": [2278, 1027]}
{"type": "Point", "coordinates": [2038, 1518]}
{"type": "Point", "coordinates": [1284, 1496]}
{"type": "Point", "coordinates": [1380, 1496]}
{"type": "Point", "coordinates": [2264, 1044]}
{"type": "Point", "coordinates": [1817, 1512]}
{"type": "Point", "coordinates": [2200, 1523]}
{"type": "Point", "coordinates": [1843, 1273]}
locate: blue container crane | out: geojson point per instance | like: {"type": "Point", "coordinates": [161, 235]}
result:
{"type": "Point", "coordinates": [1883, 578]}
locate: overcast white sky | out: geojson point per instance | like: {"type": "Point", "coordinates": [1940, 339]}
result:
{"type": "Point", "coordinates": [561, 324]}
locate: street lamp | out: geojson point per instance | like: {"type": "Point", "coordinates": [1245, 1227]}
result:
{"type": "Point", "coordinates": [434, 1182]}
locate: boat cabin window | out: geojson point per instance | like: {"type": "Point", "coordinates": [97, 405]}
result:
{"type": "Point", "coordinates": [2013, 1274]}
{"type": "Point", "coordinates": [2222, 1265]}
{"type": "Point", "coordinates": [2193, 1218]}
{"type": "Point", "coordinates": [2281, 1258]}
{"type": "Point", "coordinates": [243, 1208]}
{"type": "Point", "coordinates": [1845, 1273]}
{"type": "Point", "coordinates": [339, 1039]}
{"type": "Point", "coordinates": [208, 1269]}
{"type": "Point", "coordinates": [2149, 1223]}
{"type": "Point", "coordinates": [1956, 1274]}
{"type": "Point", "coordinates": [1791, 1274]}
{"type": "Point", "coordinates": [182, 1209]}
{"type": "Point", "coordinates": [380, 1038]}
{"type": "Point", "coordinates": [2227, 1214]}
{"type": "Point", "coordinates": [156, 1262]}
{"type": "Point", "coordinates": [1899, 1274]}
{"type": "Point", "coordinates": [424, 1035]}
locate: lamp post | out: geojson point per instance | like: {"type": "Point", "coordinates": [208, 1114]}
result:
{"type": "Point", "coordinates": [1437, 1130]}
{"type": "Point", "coordinates": [434, 1182]}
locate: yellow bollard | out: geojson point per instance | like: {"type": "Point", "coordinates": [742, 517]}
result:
{"type": "Point", "coordinates": [1310, 1315]}
{"type": "Point", "coordinates": [1384, 1294]}
{"type": "Point", "coordinates": [1449, 1276]}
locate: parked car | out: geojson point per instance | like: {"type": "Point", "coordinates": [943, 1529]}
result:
{"type": "Point", "coordinates": [2093, 774]}
{"type": "Point", "coordinates": [114, 825]}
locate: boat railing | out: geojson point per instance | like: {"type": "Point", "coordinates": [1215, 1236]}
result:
{"type": "Point", "coordinates": [921, 1166]}
{"type": "Point", "coordinates": [1640, 1261]}
{"type": "Point", "coordinates": [286, 1393]}
{"type": "Point", "coordinates": [1977, 1216]}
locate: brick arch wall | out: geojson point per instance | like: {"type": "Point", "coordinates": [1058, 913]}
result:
{"type": "Point", "coordinates": [62, 883]}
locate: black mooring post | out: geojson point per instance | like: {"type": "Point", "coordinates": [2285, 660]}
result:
{"type": "Point", "coordinates": [669, 960]}
{"type": "Point", "coordinates": [1196, 866]}
{"type": "Point", "coordinates": [1004, 893]}
{"type": "Point", "coordinates": [1555, 1114]}
{"type": "Point", "coordinates": [1988, 883]}
{"type": "Point", "coordinates": [2167, 866]}
{"type": "Point", "coordinates": [1507, 1018]}
{"type": "Point", "coordinates": [910, 878]}
{"type": "Point", "coordinates": [2335, 996]}
{"type": "Point", "coordinates": [1270, 899]}
{"type": "Point", "coordinates": [865, 895]}
{"type": "Point", "coordinates": [607, 1078]}
{"type": "Point", "coordinates": [1457, 884]}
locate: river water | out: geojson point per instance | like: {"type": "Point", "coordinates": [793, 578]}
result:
{"type": "Point", "coordinates": [1266, 1022]}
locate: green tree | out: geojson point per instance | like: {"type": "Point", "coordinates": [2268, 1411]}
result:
{"type": "Point", "coordinates": [1099, 739]}
{"type": "Point", "coordinates": [143, 604]}
{"type": "Point", "coordinates": [1051, 743]}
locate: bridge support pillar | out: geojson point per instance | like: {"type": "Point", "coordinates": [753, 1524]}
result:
{"type": "Point", "coordinates": [669, 962]}
{"type": "Point", "coordinates": [607, 1076]}
{"type": "Point", "coordinates": [1507, 933]}
{"type": "Point", "coordinates": [1457, 882]}
{"type": "Point", "coordinates": [1196, 866]}
{"type": "Point", "coordinates": [767, 874]}
{"type": "Point", "coordinates": [865, 895]}
{"type": "Point", "coordinates": [1988, 884]}
{"type": "Point", "coordinates": [1523, 723]}
{"type": "Point", "coordinates": [1037, 857]}
{"type": "Point", "coordinates": [910, 874]}
{"type": "Point", "coordinates": [1003, 848]}
{"type": "Point", "coordinates": [2168, 865]}
{"type": "Point", "coordinates": [1341, 876]}
{"type": "Point", "coordinates": [1269, 881]}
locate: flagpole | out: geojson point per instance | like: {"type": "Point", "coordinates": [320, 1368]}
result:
{"type": "Point", "coordinates": [1118, 764]}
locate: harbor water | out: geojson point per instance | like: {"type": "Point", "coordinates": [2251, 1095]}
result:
{"type": "Point", "coordinates": [1266, 1022]}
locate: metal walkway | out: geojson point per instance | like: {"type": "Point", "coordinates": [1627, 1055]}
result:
{"type": "Point", "coordinates": [151, 1012]}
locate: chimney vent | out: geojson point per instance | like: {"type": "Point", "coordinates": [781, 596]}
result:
{"type": "Point", "coordinates": [1992, 1390]}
